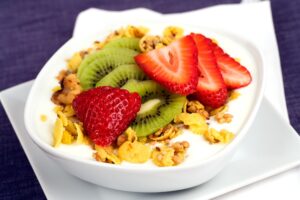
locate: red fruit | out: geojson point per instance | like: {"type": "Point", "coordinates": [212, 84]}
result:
{"type": "Point", "coordinates": [211, 89]}
{"type": "Point", "coordinates": [82, 102]}
{"type": "Point", "coordinates": [106, 112]}
{"type": "Point", "coordinates": [234, 74]}
{"type": "Point", "coordinates": [173, 66]}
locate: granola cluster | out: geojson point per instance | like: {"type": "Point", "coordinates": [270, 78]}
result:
{"type": "Point", "coordinates": [67, 91]}
{"type": "Point", "coordinates": [150, 42]}
{"type": "Point", "coordinates": [170, 155]}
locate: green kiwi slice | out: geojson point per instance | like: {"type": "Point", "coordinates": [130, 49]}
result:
{"type": "Point", "coordinates": [158, 109]}
{"type": "Point", "coordinates": [95, 66]}
{"type": "Point", "coordinates": [130, 43]}
{"type": "Point", "coordinates": [120, 75]}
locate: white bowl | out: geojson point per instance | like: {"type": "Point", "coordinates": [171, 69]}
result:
{"type": "Point", "coordinates": [204, 161]}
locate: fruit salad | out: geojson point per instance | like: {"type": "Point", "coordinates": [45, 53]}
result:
{"type": "Point", "coordinates": [131, 96]}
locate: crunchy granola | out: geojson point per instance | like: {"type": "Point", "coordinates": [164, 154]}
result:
{"type": "Point", "coordinates": [222, 118]}
{"type": "Point", "coordinates": [135, 31]}
{"type": "Point", "coordinates": [70, 89]}
{"type": "Point", "coordinates": [195, 106]}
{"type": "Point", "coordinates": [170, 155]}
{"type": "Point", "coordinates": [168, 132]}
{"type": "Point", "coordinates": [149, 42]}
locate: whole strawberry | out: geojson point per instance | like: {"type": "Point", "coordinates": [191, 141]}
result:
{"type": "Point", "coordinates": [106, 112]}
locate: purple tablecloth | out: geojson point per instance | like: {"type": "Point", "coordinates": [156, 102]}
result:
{"type": "Point", "coordinates": [31, 31]}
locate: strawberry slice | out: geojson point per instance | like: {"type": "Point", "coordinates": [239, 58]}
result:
{"type": "Point", "coordinates": [106, 112]}
{"type": "Point", "coordinates": [173, 66]}
{"type": "Point", "coordinates": [234, 74]}
{"type": "Point", "coordinates": [211, 89]}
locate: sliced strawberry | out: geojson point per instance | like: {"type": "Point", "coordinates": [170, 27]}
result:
{"type": "Point", "coordinates": [234, 74]}
{"type": "Point", "coordinates": [173, 66]}
{"type": "Point", "coordinates": [211, 89]}
{"type": "Point", "coordinates": [106, 112]}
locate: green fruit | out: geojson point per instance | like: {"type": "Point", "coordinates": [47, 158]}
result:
{"type": "Point", "coordinates": [158, 109]}
{"type": "Point", "coordinates": [97, 65]}
{"type": "Point", "coordinates": [120, 75]}
{"type": "Point", "coordinates": [130, 43]}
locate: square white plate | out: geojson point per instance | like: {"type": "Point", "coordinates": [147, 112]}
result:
{"type": "Point", "coordinates": [271, 146]}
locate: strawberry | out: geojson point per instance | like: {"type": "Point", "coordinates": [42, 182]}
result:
{"type": "Point", "coordinates": [173, 66]}
{"type": "Point", "coordinates": [82, 102]}
{"type": "Point", "coordinates": [211, 89]}
{"type": "Point", "coordinates": [234, 74]}
{"type": "Point", "coordinates": [106, 112]}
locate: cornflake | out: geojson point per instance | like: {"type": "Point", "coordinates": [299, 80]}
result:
{"type": "Point", "coordinates": [106, 155]}
{"type": "Point", "coordinates": [67, 138]}
{"type": "Point", "coordinates": [213, 136]}
{"type": "Point", "coordinates": [194, 121]}
{"type": "Point", "coordinates": [171, 33]}
{"type": "Point", "coordinates": [68, 111]}
{"type": "Point", "coordinates": [132, 150]}
{"type": "Point", "coordinates": [74, 61]}
{"type": "Point", "coordinates": [233, 95]}
{"type": "Point", "coordinates": [58, 132]}
{"type": "Point", "coordinates": [80, 136]}
{"type": "Point", "coordinates": [63, 118]}
{"type": "Point", "coordinates": [56, 88]}
{"type": "Point", "coordinates": [221, 109]}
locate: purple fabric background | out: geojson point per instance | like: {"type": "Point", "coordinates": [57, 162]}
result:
{"type": "Point", "coordinates": [31, 31]}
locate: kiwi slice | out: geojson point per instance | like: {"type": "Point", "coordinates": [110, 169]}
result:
{"type": "Point", "coordinates": [158, 109]}
{"type": "Point", "coordinates": [130, 43]}
{"type": "Point", "coordinates": [95, 66]}
{"type": "Point", "coordinates": [120, 75]}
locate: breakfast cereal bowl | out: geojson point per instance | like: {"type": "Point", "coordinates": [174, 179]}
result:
{"type": "Point", "coordinates": [203, 159]}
